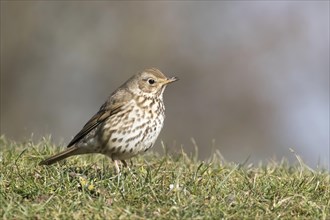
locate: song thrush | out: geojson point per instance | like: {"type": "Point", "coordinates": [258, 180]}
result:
{"type": "Point", "coordinates": [127, 124]}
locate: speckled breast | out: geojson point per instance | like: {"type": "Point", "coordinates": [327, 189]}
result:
{"type": "Point", "coordinates": [134, 129]}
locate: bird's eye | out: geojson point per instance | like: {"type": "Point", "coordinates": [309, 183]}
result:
{"type": "Point", "coordinates": [151, 81]}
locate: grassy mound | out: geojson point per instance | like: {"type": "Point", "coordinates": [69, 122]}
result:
{"type": "Point", "coordinates": [155, 187]}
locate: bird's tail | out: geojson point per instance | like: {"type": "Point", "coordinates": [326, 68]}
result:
{"type": "Point", "coordinates": [60, 156]}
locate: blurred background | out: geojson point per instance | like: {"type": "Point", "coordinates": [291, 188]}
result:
{"type": "Point", "coordinates": [254, 76]}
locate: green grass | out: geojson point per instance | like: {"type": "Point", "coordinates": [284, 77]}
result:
{"type": "Point", "coordinates": [156, 187]}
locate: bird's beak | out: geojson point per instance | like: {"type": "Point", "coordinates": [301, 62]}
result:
{"type": "Point", "coordinates": [170, 80]}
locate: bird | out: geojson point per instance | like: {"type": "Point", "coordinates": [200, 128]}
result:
{"type": "Point", "coordinates": [127, 124]}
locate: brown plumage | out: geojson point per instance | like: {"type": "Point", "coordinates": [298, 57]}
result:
{"type": "Point", "coordinates": [127, 124]}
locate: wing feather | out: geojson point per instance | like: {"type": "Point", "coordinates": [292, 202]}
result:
{"type": "Point", "coordinates": [103, 114]}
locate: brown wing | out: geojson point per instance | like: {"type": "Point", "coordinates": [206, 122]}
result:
{"type": "Point", "coordinates": [97, 119]}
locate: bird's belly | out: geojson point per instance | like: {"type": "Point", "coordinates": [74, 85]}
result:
{"type": "Point", "coordinates": [133, 135]}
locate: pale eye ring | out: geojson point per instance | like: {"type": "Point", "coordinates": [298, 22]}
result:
{"type": "Point", "coordinates": [151, 81]}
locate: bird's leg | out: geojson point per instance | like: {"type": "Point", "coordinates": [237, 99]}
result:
{"type": "Point", "coordinates": [129, 169]}
{"type": "Point", "coordinates": [125, 165]}
{"type": "Point", "coordinates": [117, 167]}
{"type": "Point", "coordinates": [124, 162]}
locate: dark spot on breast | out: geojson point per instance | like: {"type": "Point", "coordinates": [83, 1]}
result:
{"type": "Point", "coordinates": [114, 139]}
{"type": "Point", "coordinates": [118, 149]}
{"type": "Point", "coordinates": [131, 150]}
{"type": "Point", "coordinates": [124, 151]}
{"type": "Point", "coordinates": [120, 140]}
{"type": "Point", "coordinates": [148, 147]}
{"type": "Point", "coordinates": [151, 104]}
